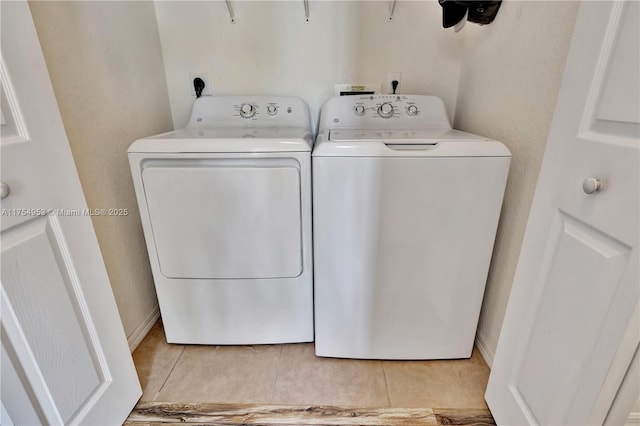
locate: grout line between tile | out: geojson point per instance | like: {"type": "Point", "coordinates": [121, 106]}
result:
{"type": "Point", "coordinates": [169, 375]}
{"type": "Point", "coordinates": [275, 380]}
{"type": "Point", "coordinates": [386, 385]}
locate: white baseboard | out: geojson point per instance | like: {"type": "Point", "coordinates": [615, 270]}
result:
{"type": "Point", "coordinates": [487, 353]}
{"type": "Point", "coordinates": [143, 328]}
{"type": "Point", "coordinates": [633, 420]}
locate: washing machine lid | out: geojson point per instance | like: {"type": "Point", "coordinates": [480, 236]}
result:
{"type": "Point", "coordinates": [405, 135]}
{"type": "Point", "coordinates": [428, 142]}
{"type": "Point", "coordinates": [227, 139]}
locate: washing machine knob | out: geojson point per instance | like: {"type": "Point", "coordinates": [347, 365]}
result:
{"type": "Point", "coordinates": [385, 110]}
{"type": "Point", "coordinates": [247, 111]}
{"type": "Point", "coordinates": [359, 110]}
{"type": "Point", "coordinates": [272, 109]}
{"type": "Point", "coordinates": [412, 110]}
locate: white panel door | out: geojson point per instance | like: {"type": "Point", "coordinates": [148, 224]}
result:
{"type": "Point", "coordinates": [65, 359]}
{"type": "Point", "coordinates": [570, 329]}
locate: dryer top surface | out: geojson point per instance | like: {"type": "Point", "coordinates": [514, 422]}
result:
{"type": "Point", "coordinates": [242, 140]}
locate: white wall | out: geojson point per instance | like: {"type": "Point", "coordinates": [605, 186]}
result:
{"type": "Point", "coordinates": [271, 50]}
{"type": "Point", "coordinates": [509, 83]}
{"type": "Point", "coordinates": [428, 55]}
{"type": "Point", "coordinates": [106, 67]}
{"type": "Point", "coordinates": [108, 71]}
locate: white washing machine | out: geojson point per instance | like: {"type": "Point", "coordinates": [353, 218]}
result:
{"type": "Point", "coordinates": [405, 212]}
{"type": "Point", "coordinates": [226, 211]}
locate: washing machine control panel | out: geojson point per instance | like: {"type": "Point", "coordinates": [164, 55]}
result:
{"type": "Point", "coordinates": [242, 111]}
{"type": "Point", "coordinates": [385, 106]}
{"type": "Point", "coordinates": [384, 111]}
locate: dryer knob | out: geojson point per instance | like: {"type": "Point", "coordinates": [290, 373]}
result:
{"type": "Point", "coordinates": [247, 111]}
{"type": "Point", "coordinates": [272, 110]}
{"type": "Point", "coordinates": [412, 110]}
{"type": "Point", "coordinates": [359, 109]}
{"type": "Point", "coordinates": [385, 110]}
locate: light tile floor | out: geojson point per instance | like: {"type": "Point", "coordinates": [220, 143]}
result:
{"type": "Point", "coordinates": [291, 374]}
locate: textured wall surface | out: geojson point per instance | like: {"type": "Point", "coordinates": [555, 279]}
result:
{"type": "Point", "coordinates": [271, 50]}
{"type": "Point", "coordinates": [106, 67]}
{"type": "Point", "coordinates": [509, 83]}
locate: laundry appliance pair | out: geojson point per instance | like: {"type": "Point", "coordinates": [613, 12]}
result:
{"type": "Point", "coordinates": [405, 211]}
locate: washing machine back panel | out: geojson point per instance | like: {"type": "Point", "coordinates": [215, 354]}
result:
{"type": "Point", "coordinates": [225, 218]}
{"type": "Point", "coordinates": [383, 112]}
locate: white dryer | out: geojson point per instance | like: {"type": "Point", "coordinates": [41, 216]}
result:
{"type": "Point", "coordinates": [226, 211]}
{"type": "Point", "coordinates": [405, 212]}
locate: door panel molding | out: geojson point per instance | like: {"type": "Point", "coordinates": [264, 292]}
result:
{"type": "Point", "coordinates": [15, 342]}
{"type": "Point", "coordinates": [27, 280]}
{"type": "Point", "coordinates": [11, 113]}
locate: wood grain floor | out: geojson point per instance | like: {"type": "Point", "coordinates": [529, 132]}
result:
{"type": "Point", "coordinates": [163, 414]}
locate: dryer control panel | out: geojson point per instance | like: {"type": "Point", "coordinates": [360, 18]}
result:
{"type": "Point", "coordinates": [249, 111]}
{"type": "Point", "coordinates": [384, 111]}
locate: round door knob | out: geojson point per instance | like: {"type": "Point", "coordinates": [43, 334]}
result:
{"type": "Point", "coordinates": [5, 190]}
{"type": "Point", "coordinates": [247, 111]}
{"type": "Point", "coordinates": [591, 185]}
{"type": "Point", "coordinates": [385, 110]}
{"type": "Point", "coordinates": [359, 109]}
